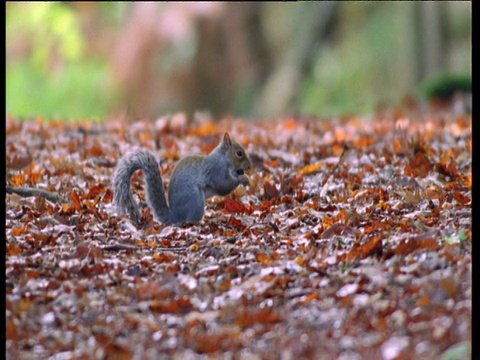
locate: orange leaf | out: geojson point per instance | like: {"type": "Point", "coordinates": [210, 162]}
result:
{"type": "Point", "coordinates": [248, 318]}
{"type": "Point", "coordinates": [371, 247]}
{"type": "Point", "coordinates": [462, 199]}
{"type": "Point", "coordinates": [300, 260]}
{"type": "Point", "coordinates": [290, 124]}
{"type": "Point", "coordinates": [163, 257]}
{"type": "Point", "coordinates": [96, 150]}
{"type": "Point", "coordinates": [408, 246]}
{"type": "Point", "coordinates": [235, 206]}
{"type": "Point", "coordinates": [94, 191]}
{"type": "Point", "coordinates": [152, 244]}
{"type": "Point", "coordinates": [82, 251]}
{"type": "Point", "coordinates": [44, 238]}
{"type": "Point", "coordinates": [310, 169]}
{"type": "Point", "coordinates": [108, 196]}
{"type": "Point", "coordinates": [19, 231]}
{"type": "Point", "coordinates": [397, 146]}
{"type": "Point", "coordinates": [206, 129]}
{"type": "Point", "coordinates": [263, 258]}
{"type": "Point", "coordinates": [310, 297]}
{"type": "Point", "coordinates": [468, 182]}
{"type": "Point", "coordinates": [18, 180]}
{"type": "Point", "coordinates": [180, 305]}
{"type": "Point", "coordinates": [450, 286]}
{"type": "Point", "coordinates": [12, 330]}
{"type": "Point", "coordinates": [13, 249]}
{"type": "Point", "coordinates": [35, 176]}
{"type": "Point", "coordinates": [206, 343]}
{"type": "Point", "coordinates": [236, 223]}
{"type": "Point", "coordinates": [77, 204]}
{"type": "Point", "coordinates": [420, 165]}
{"type": "Point", "coordinates": [423, 301]}
{"type": "Point", "coordinates": [195, 247]}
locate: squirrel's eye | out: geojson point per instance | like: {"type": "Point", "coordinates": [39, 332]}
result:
{"type": "Point", "coordinates": [239, 153]}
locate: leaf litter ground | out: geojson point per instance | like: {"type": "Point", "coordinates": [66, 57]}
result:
{"type": "Point", "coordinates": [353, 241]}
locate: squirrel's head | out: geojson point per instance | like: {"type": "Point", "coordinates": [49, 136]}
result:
{"type": "Point", "coordinates": [237, 154]}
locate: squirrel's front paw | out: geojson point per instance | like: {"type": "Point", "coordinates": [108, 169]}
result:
{"type": "Point", "coordinates": [244, 180]}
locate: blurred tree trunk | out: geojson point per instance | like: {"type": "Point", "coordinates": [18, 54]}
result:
{"type": "Point", "coordinates": [134, 57]}
{"type": "Point", "coordinates": [313, 22]}
{"type": "Point", "coordinates": [430, 38]}
{"type": "Point", "coordinates": [434, 29]}
{"type": "Point", "coordinates": [231, 51]}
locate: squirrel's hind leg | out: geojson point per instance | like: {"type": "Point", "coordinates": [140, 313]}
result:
{"type": "Point", "coordinates": [188, 206]}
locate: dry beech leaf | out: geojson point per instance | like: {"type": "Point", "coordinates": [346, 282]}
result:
{"type": "Point", "coordinates": [462, 199]}
{"type": "Point", "coordinates": [77, 204]}
{"type": "Point", "coordinates": [234, 206]}
{"type": "Point", "coordinates": [310, 169]}
{"type": "Point", "coordinates": [298, 265]}
{"type": "Point", "coordinates": [271, 190]}
{"type": "Point", "coordinates": [419, 166]}
{"type": "Point", "coordinates": [18, 162]}
{"type": "Point", "coordinates": [94, 191]}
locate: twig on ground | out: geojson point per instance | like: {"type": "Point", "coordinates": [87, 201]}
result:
{"type": "Point", "coordinates": [346, 147]}
{"type": "Point", "coordinates": [27, 192]}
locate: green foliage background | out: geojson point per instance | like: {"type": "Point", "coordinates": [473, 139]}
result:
{"type": "Point", "coordinates": [367, 61]}
{"type": "Point", "coordinates": [74, 86]}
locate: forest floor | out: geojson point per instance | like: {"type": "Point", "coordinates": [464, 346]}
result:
{"type": "Point", "coordinates": [353, 241]}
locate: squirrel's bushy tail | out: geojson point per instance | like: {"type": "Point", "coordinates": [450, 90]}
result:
{"type": "Point", "coordinates": [123, 198]}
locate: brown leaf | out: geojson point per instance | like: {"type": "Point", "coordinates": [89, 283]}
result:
{"type": "Point", "coordinates": [370, 247]}
{"type": "Point", "coordinates": [34, 176]}
{"type": "Point", "coordinates": [448, 170]}
{"type": "Point", "coordinates": [419, 166]}
{"type": "Point", "coordinates": [462, 199]}
{"type": "Point", "coordinates": [117, 351]}
{"type": "Point", "coordinates": [237, 223]}
{"type": "Point", "coordinates": [408, 246]}
{"type": "Point", "coordinates": [248, 317]}
{"type": "Point", "coordinates": [94, 191]}
{"type": "Point", "coordinates": [271, 190]}
{"type": "Point", "coordinates": [77, 204]}
{"type": "Point", "coordinates": [18, 162]}
{"type": "Point", "coordinates": [162, 257]}
{"type": "Point", "coordinates": [82, 250]}
{"type": "Point", "coordinates": [234, 206]}
{"type": "Point", "coordinates": [177, 306]}
{"type": "Point", "coordinates": [96, 150]}
{"type": "Point", "coordinates": [450, 286]}
{"type": "Point", "coordinates": [12, 249]}
{"type": "Point", "coordinates": [207, 343]}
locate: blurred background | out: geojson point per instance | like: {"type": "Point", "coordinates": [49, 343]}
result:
{"type": "Point", "coordinates": [142, 60]}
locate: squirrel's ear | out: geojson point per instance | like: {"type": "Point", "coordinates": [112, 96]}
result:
{"type": "Point", "coordinates": [227, 142]}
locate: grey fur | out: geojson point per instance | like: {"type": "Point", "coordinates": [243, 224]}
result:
{"type": "Point", "coordinates": [123, 198]}
{"type": "Point", "coordinates": [195, 178]}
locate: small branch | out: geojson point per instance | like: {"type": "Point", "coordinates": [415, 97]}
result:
{"type": "Point", "coordinates": [118, 247]}
{"type": "Point", "coordinates": [345, 148]}
{"type": "Point", "coordinates": [27, 192]}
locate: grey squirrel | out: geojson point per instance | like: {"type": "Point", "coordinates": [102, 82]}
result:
{"type": "Point", "coordinates": [194, 179]}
